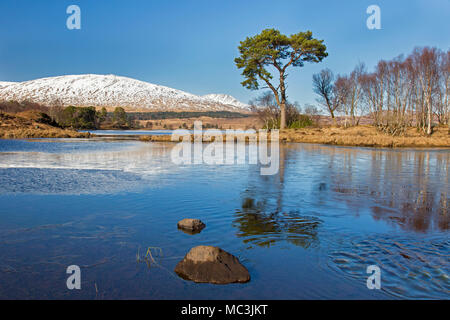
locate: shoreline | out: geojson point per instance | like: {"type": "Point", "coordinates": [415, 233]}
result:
{"type": "Point", "coordinates": [30, 125]}
{"type": "Point", "coordinates": [368, 136]}
{"type": "Point", "coordinates": [286, 136]}
{"type": "Point", "coordinates": [359, 136]}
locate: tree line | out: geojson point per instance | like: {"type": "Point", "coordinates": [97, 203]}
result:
{"type": "Point", "coordinates": [74, 117]}
{"type": "Point", "coordinates": [402, 92]}
{"type": "Point", "coordinates": [90, 118]}
{"type": "Point", "coordinates": [399, 93]}
{"type": "Point", "coordinates": [161, 115]}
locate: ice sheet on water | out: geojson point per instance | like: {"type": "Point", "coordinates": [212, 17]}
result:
{"type": "Point", "coordinates": [79, 167]}
{"type": "Point", "coordinates": [66, 181]}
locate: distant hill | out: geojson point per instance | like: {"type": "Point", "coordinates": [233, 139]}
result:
{"type": "Point", "coordinates": [114, 91]}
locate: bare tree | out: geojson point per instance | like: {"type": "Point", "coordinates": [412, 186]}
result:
{"type": "Point", "coordinates": [266, 108]}
{"type": "Point", "coordinates": [323, 84]}
{"type": "Point", "coordinates": [442, 109]}
{"type": "Point", "coordinates": [372, 96]}
{"type": "Point", "coordinates": [355, 93]}
{"type": "Point", "coordinates": [310, 110]}
{"type": "Point", "coordinates": [425, 68]}
{"type": "Point", "coordinates": [408, 91]}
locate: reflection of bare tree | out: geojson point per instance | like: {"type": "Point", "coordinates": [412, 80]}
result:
{"type": "Point", "coordinates": [405, 188]}
{"type": "Point", "coordinates": [410, 188]}
{"type": "Point", "coordinates": [417, 201]}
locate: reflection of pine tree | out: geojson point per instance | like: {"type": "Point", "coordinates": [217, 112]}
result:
{"type": "Point", "coordinates": [261, 220]}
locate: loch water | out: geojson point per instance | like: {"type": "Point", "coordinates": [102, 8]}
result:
{"type": "Point", "coordinates": [308, 232]}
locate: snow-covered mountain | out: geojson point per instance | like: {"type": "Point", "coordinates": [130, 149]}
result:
{"type": "Point", "coordinates": [225, 99]}
{"type": "Point", "coordinates": [5, 83]}
{"type": "Point", "coordinates": [113, 91]}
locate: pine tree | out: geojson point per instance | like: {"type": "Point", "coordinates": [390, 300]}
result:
{"type": "Point", "coordinates": [270, 48]}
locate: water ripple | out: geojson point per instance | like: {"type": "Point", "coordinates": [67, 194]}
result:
{"type": "Point", "coordinates": [409, 268]}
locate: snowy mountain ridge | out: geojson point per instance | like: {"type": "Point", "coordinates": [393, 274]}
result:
{"type": "Point", "coordinates": [114, 91]}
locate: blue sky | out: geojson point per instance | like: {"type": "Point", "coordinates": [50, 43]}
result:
{"type": "Point", "coordinates": [191, 44]}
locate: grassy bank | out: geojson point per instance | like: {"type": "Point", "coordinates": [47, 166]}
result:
{"type": "Point", "coordinates": [33, 124]}
{"type": "Point", "coordinates": [365, 136]}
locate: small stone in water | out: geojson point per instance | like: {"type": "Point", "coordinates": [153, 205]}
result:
{"type": "Point", "coordinates": [191, 225]}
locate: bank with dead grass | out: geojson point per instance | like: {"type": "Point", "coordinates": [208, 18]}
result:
{"type": "Point", "coordinates": [32, 124]}
{"type": "Point", "coordinates": [368, 136]}
{"type": "Point", "coordinates": [363, 136]}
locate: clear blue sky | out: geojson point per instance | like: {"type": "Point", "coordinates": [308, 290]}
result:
{"type": "Point", "coordinates": [191, 44]}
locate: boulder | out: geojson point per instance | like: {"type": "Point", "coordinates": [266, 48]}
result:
{"type": "Point", "coordinates": [191, 225]}
{"type": "Point", "coordinates": [211, 265]}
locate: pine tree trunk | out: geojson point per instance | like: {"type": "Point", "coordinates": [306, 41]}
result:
{"type": "Point", "coordinates": [283, 102]}
{"type": "Point", "coordinates": [283, 115]}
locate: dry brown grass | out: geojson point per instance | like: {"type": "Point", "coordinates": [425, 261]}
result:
{"type": "Point", "coordinates": [224, 123]}
{"type": "Point", "coordinates": [367, 136]}
{"type": "Point", "coordinates": [168, 137]}
{"type": "Point", "coordinates": [155, 138]}
{"type": "Point", "coordinates": [27, 125]}
{"type": "Point", "coordinates": [364, 136]}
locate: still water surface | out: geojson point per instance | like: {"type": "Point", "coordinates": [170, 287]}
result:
{"type": "Point", "coordinates": [308, 232]}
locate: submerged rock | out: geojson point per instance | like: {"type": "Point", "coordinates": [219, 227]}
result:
{"type": "Point", "coordinates": [212, 265]}
{"type": "Point", "coordinates": [191, 225]}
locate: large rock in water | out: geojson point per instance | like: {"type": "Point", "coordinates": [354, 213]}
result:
{"type": "Point", "coordinates": [212, 265]}
{"type": "Point", "coordinates": [191, 225]}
